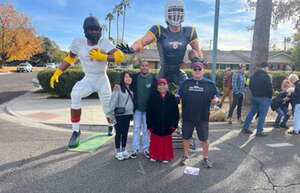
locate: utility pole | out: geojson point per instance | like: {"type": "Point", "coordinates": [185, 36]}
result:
{"type": "Point", "coordinates": [284, 43]}
{"type": "Point", "coordinates": [215, 44]}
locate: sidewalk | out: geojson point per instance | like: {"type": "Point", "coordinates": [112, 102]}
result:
{"type": "Point", "coordinates": [56, 112]}
{"type": "Point", "coordinates": [37, 108]}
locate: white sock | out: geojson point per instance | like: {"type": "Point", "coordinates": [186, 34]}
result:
{"type": "Point", "coordinates": [75, 126]}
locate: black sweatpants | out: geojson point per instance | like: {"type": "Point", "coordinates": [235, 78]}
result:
{"type": "Point", "coordinates": [122, 130]}
{"type": "Point", "coordinates": [237, 100]}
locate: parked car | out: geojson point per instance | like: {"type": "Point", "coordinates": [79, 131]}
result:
{"type": "Point", "coordinates": [51, 65]}
{"type": "Point", "coordinates": [24, 67]}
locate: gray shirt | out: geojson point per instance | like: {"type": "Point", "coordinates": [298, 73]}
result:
{"type": "Point", "coordinates": [118, 99]}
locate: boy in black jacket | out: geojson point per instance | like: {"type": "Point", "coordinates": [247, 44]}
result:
{"type": "Point", "coordinates": [280, 104]}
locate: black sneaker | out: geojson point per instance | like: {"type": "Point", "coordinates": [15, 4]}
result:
{"type": "Point", "coordinates": [110, 129]}
{"type": "Point", "coordinates": [206, 163]}
{"type": "Point", "coordinates": [262, 134]}
{"type": "Point", "coordinates": [185, 160]}
{"type": "Point", "coordinates": [146, 154]}
{"type": "Point", "coordinates": [133, 155]}
{"type": "Point", "coordinates": [246, 131]}
{"type": "Point", "coordinates": [284, 126]}
{"type": "Point", "coordinates": [74, 140]}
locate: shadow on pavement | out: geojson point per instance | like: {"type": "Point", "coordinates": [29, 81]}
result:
{"type": "Point", "coordinates": [7, 96]}
{"type": "Point", "coordinates": [100, 172]}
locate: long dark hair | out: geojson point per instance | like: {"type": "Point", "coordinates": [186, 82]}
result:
{"type": "Point", "coordinates": [122, 83]}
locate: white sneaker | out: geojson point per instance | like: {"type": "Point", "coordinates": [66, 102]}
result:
{"type": "Point", "coordinates": [165, 162]}
{"type": "Point", "coordinates": [147, 154]}
{"type": "Point", "coordinates": [125, 154]}
{"type": "Point", "coordinates": [153, 160]}
{"type": "Point", "coordinates": [119, 156]}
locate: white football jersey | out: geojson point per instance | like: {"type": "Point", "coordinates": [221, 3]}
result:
{"type": "Point", "coordinates": [82, 49]}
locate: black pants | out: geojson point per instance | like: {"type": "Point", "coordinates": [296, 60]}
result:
{"type": "Point", "coordinates": [237, 100]}
{"type": "Point", "coordinates": [122, 130]}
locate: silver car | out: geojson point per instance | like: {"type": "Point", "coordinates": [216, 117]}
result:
{"type": "Point", "coordinates": [24, 67]}
{"type": "Point", "coordinates": [51, 65]}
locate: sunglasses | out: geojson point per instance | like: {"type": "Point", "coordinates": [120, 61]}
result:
{"type": "Point", "coordinates": [197, 69]}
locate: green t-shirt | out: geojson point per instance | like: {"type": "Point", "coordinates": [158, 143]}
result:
{"type": "Point", "coordinates": [143, 91]}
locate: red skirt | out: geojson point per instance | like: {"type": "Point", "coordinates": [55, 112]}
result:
{"type": "Point", "coordinates": [161, 147]}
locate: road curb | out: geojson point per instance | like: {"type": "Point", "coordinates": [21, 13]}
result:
{"type": "Point", "coordinates": [103, 127]}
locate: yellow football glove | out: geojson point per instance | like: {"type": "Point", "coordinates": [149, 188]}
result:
{"type": "Point", "coordinates": [55, 76]}
{"type": "Point", "coordinates": [97, 55]}
{"type": "Point", "coordinates": [119, 56]}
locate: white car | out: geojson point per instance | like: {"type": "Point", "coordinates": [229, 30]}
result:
{"type": "Point", "coordinates": [24, 67]}
{"type": "Point", "coordinates": [51, 65]}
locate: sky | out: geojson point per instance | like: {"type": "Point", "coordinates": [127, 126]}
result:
{"type": "Point", "coordinates": [61, 20]}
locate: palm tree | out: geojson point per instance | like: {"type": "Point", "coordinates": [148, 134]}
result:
{"type": "Point", "coordinates": [119, 11]}
{"type": "Point", "coordinates": [125, 4]}
{"type": "Point", "coordinates": [104, 29]}
{"type": "Point", "coordinates": [109, 17]}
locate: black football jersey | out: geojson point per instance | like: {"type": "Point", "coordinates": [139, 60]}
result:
{"type": "Point", "coordinates": [172, 45]}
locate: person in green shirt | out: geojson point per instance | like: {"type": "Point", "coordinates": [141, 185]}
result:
{"type": "Point", "coordinates": [143, 85]}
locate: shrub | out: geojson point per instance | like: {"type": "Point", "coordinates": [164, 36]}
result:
{"type": "Point", "coordinates": [74, 74]}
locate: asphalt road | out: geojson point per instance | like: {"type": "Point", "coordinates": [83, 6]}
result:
{"type": "Point", "coordinates": [35, 160]}
{"type": "Point", "coordinates": [15, 84]}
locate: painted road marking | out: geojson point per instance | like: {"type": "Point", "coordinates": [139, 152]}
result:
{"type": "Point", "coordinates": [280, 145]}
{"type": "Point", "coordinates": [92, 143]}
{"type": "Point", "coordinates": [198, 149]}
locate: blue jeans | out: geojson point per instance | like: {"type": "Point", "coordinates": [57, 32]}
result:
{"type": "Point", "coordinates": [139, 121]}
{"type": "Point", "coordinates": [260, 105]}
{"type": "Point", "coordinates": [282, 111]}
{"type": "Point", "coordinates": [297, 118]}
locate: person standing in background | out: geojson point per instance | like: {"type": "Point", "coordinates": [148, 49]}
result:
{"type": "Point", "coordinates": [238, 88]}
{"type": "Point", "coordinates": [227, 87]}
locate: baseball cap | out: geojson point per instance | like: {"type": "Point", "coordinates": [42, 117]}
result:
{"type": "Point", "coordinates": [263, 65]}
{"type": "Point", "coordinates": [228, 68]}
{"type": "Point", "coordinates": [162, 80]}
{"type": "Point", "coordinates": [197, 64]}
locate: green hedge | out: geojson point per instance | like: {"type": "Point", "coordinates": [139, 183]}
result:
{"type": "Point", "coordinates": [74, 74]}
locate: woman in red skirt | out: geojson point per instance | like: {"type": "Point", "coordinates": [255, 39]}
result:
{"type": "Point", "coordinates": [162, 119]}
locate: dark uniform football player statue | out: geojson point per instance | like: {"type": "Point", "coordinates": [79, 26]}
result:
{"type": "Point", "coordinates": [171, 42]}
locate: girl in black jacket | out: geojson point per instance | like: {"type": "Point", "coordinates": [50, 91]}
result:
{"type": "Point", "coordinates": [162, 119]}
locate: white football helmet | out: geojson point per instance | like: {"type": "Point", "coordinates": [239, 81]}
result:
{"type": "Point", "coordinates": [174, 12]}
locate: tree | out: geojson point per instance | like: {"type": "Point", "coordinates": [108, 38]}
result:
{"type": "Point", "coordinates": [104, 29]}
{"type": "Point", "coordinates": [296, 49]}
{"type": "Point", "coordinates": [109, 17]}
{"type": "Point", "coordinates": [261, 34]}
{"type": "Point", "coordinates": [119, 11]}
{"type": "Point", "coordinates": [51, 53]}
{"type": "Point", "coordinates": [125, 4]}
{"type": "Point", "coordinates": [282, 11]}
{"type": "Point", "coordinates": [261, 37]}
{"type": "Point", "coordinates": [18, 40]}
{"type": "Point", "coordinates": [296, 57]}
